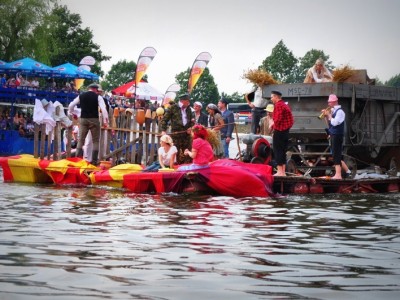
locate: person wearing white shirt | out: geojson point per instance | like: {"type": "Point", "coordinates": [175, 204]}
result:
{"type": "Point", "coordinates": [257, 108]}
{"type": "Point", "coordinates": [335, 118]}
{"type": "Point", "coordinates": [318, 73]}
{"type": "Point", "coordinates": [90, 102]}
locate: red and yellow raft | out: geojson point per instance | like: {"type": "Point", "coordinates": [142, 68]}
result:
{"type": "Point", "coordinates": [224, 177]}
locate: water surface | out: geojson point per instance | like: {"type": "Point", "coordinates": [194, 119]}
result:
{"type": "Point", "coordinates": [94, 243]}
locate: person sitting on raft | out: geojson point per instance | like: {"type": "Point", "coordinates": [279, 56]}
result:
{"type": "Point", "coordinates": [166, 155]}
{"type": "Point", "coordinates": [201, 153]}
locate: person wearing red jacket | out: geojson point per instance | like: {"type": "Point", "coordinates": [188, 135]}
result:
{"type": "Point", "coordinates": [282, 122]}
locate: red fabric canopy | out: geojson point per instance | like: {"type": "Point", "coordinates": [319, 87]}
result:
{"type": "Point", "coordinates": [121, 90]}
{"type": "Point", "coordinates": [143, 91]}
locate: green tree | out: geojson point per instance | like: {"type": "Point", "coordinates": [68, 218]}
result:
{"type": "Point", "coordinates": [205, 90]}
{"type": "Point", "coordinates": [281, 64]}
{"type": "Point", "coordinates": [64, 40]}
{"type": "Point", "coordinates": [234, 98]}
{"type": "Point", "coordinates": [308, 60]}
{"type": "Point", "coordinates": [394, 81]}
{"type": "Point", "coordinates": [120, 73]}
{"type": "Point", "coordinates": [18, 20]}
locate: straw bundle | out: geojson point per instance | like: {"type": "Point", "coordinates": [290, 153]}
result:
{"type": "Point", "coordinates": [259, 77]}
{"type": "Point", "coordinates": [343, 73]}
{"type": "Point", "coordinates": [213, 138]}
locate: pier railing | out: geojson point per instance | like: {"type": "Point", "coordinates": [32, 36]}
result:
{"type": "Point", "coordinates": [132, 136]}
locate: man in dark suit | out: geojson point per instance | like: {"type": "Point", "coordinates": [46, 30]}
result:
{"type": "Point", "coordinates": [181, 118]}
{"type": "Point", "coordinates": [90, 102]}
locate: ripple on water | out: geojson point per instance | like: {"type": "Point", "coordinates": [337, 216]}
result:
{"type": "Point", "coordinates": [75, 243]}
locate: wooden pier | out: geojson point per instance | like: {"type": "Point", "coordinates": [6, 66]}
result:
{"type": "Point", "coordinates": [323, 185]}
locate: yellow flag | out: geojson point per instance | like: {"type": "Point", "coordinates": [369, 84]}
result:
{"type": "Point", "coordinates": [197, 70]}
{"type": "Point", "coordinates": [79, 82]}
{"type": "Point", "coordinates": [145, 58]}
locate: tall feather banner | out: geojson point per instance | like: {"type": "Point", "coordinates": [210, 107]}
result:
{"type": "Point", "coordinates": [198, 67]}
{"type": "Point", "coordinates": [145, 58]}
{"type": "Point", "coordinates": [84, 64]}
{"type": "Point", "coordinates": [170, 94]}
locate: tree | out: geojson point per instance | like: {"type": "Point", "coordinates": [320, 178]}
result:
{"type": "Point", "coordinates": [18, 20]}
{"type": "Point", "coordinates": [308, 60]}
{"type": "Point", "coordinates": [394, 81]}
{"type": "Point", "coordinates": [234, 98]}
{"type": "Point", "coordinates": [205, 90]}
{"type": "Point", "coordinates": [281, 64]}
{"type": "Point", "coordinates": [120, 73]}
{"type": "Point", "coordinates": [45, 31]}
{"type": "Point", "coordinates": [66, 41]}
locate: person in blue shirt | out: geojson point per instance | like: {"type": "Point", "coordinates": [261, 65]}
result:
{"type": "Point", "coordinates": [227, 130]}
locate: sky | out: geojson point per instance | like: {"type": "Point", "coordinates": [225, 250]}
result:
{"type": "Point", "coordinates": [240, 34]}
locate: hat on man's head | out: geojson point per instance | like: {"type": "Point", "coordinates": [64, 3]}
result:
{"type": "Point", "coordinates": [276, 93]}
{"type": "Point", "coordinates": [184, 97]}
{"type": "Point", "coordinates": [94, 86]}
{"type": "Point", "coordinates": [198, 103]}
{"type": "Point", "coordinates": [167, 139]}
{"type": "Point", "coordinates": [270, 108]}
{"type": "Point", "coordinates": [223, 100]}
{"type": "Point", "coordinates": [213, 107]}
{"type": "Point", "coordinates": [44, 102]}
{"type": "Point", "coordinates": [332, 98]}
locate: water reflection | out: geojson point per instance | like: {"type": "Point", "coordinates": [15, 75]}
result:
{"type": "Point", "coordinates": [82, 243]}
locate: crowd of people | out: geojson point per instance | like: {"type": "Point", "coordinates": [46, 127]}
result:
{"type": "Point", "coordinates": [34, 83]}
{"type": "Point", "coordinates": [191, 131]}
{"type": "Point", "coordinates": [22, 122]}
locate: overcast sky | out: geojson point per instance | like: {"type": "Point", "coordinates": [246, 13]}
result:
{"type": "Point", "coordinates": [240, 34]}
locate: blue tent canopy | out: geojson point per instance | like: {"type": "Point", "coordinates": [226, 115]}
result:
{"type": "Point", "coordinates": [69, 70]}
{"type": "Point", "coordinates": [2, 64]}
{"type": "Point", "coordinates": [28, 66]}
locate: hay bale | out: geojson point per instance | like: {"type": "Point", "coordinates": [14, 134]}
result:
{"type": "Point", "coordinates": [343, 73]}
{"type": "Point", "coordinates": [259, 77]}
{"type": "Point", "coordinates": [213, 138]}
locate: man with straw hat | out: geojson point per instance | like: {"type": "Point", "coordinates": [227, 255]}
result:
{"type": "Point", "coordinates": [266, 122]}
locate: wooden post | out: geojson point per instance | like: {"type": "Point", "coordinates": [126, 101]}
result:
{"type": "Point", "coordinates": [148, 121]}
{"type": "Point", "coordinates": [153, 138]}
{"type": "Point", "coordinates": [49, 137]}
{"type": "Point", "coordinates": [42, 140]}
{"type": "Point", "coordinates": [69, 140]}
{"type": "Point", "coordinates": [57, 141]}
{"type": "Point", "coordinates": [134, 137]}
{"type": "Point", "coordinates": [128, 152]}
{"type": "Point", "coordinates": [36, 141]}
{"type": "Point", "coordinates": [238, 143]}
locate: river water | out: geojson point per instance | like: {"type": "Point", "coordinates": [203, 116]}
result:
{"type": "Point", "coordinates": [95, 243]}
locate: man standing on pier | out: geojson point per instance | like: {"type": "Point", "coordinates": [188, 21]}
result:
{"type": "Point", "coordinates": [282, 122]}
{"type": "Point", "coordinates": [181, 118]}
{"type": "Point", "coordinates": [90, 102]}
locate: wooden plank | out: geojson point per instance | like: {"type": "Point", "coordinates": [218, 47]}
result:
{"type": "Point", "coordinates": [36, 141]}
{"type": "Point", "coordinates": [42, 140]}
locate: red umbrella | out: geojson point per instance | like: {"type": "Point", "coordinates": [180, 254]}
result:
{"type": "Point", "coordinates": [143, 91]}
{"type": "Point", "coordinates": [121, 90]}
